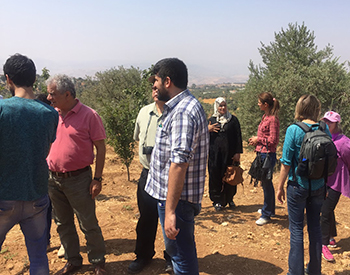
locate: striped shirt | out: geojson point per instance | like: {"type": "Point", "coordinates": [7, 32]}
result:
{"type": "Point", "coordinates": [183, 137]}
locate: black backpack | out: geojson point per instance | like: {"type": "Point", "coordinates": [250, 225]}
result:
{"type": "Point", "coordinates": [318, 154]}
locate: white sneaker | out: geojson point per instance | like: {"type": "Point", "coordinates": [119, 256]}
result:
{"type": "Point", "coordinates": [262, 221]}
{"type": "Point", "coordinates": [60, 253]}
{"type": "Point", "coordinates": [260, 212]}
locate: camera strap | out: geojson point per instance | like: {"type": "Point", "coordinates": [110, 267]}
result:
{"type": "Point", "coordinates": [149, 122]}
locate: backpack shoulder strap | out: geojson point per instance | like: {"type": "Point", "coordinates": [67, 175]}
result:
{"type": "Point", "coordinates": [303, 126]}
{"type": "Point", "coordinates": [322, 126]}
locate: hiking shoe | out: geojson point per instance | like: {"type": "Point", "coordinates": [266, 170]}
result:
{"type": "Point", "coordinates": [138, 265]}
{"type": "Point", "coordinates": [169, 267]}
{"type": "Point", "coordinates": [60, 252]}
{"type": "Point", "coordinates": [326, 254]}
{"type": "Point", "coordinates": [218, 207]}
{"type": "Point", "coordinates": [260, 212]}
{"type": "Point", "coordinates": [232, 205]}
{"type": "Point", "coordinates": [332, 243]}
{"type": "Point", "coordinates": [262, 221]}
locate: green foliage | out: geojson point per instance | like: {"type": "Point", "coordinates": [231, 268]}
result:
{"type": "Point", "coordinates": [226, 90]}
{"type": "Point", "coordinates": [3, 89]}
{"type": "Point", "coordinates": [293, 67]}
{"type": "Point", "coordinates": [39, 86]}
{"type": "Point", "coordinates": [4, 250]}
{"type": "Point", "coordinates": [128, 207]}
{"type": "Point", "coordinates": [118, 95]}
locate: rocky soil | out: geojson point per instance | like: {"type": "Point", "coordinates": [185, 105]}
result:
{"type": "Point", "coordinates": [228, 242]}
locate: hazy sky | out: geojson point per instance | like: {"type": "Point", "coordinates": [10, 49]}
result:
{"type": "Point", "coordinates": [214, 38]}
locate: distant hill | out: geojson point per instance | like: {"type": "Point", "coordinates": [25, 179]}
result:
{"type": "Point", "coordinates": [198, 80]}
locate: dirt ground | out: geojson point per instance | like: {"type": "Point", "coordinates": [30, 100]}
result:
{"type": "Point", "coordinates": [228, 242]}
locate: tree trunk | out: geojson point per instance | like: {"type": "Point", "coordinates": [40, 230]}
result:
{"type": "Point", "coordinates": [127, 169]}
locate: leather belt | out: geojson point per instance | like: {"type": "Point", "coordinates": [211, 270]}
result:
{"type": "Point", "coordinates": [70, 173]}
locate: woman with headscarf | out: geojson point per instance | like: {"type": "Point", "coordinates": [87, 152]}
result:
{"type": "Point", "coordinates": [224, 149]}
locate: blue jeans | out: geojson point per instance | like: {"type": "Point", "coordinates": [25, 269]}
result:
{"type": "Point", "coordinates": [268, 208]}
{"type": "Point", "coordinates": [31, 216]}
{"type": "Point", "coordinates": [182, 251]}
{"type": "Point", "coordinates": [298, 199]}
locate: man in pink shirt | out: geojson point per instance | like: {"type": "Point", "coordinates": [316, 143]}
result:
{"type": "Point", "coordinates": [72, 188]}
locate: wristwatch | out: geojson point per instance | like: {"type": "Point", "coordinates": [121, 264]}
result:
{"type": "Point", "coordinates": [98, 179]}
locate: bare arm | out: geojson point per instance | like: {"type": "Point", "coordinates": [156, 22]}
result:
{"type": "Point", "coordinates": [281, 197]}
{"type": "Point", "coordinates": [96, 186]}
{"type": "Point", "coordinates": [177, 174]}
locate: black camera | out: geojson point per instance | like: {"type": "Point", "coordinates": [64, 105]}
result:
{"type": "Point", "coordinates": [147, 150]}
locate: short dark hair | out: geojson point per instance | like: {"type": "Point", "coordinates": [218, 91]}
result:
{"type": "Point", "coordinates": [173, 68]}
{"type": "Point", "coordinates": [43, 98]}
{"type": "Point", "coordinates": [20, 70]}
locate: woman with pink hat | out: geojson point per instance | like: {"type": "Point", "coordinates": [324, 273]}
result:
{"type": "Point", "coordinates": [337, 184]}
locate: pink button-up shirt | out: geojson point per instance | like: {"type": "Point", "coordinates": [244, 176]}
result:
{"type": "Point", "coordinates": [268, 134]}
{"type": "Point", "coordinates": [73, 147]}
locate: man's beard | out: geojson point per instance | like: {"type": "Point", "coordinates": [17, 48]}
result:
{"type": "Point", "coordinates": [163, 94]}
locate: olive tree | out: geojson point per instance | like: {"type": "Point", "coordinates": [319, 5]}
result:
{"type": "Point", "coordinates": [118, 94]}
{"type": "Point", "coordinates": [292, 67]}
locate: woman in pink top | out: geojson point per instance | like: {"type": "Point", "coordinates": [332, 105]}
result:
{"type": "Point", "coordinates": [266, 142]}
{"type": "Point", "coordinates": [337, 184]}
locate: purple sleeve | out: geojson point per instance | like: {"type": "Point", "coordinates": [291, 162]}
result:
{"type": "Point", "coordinates": [344, 151]}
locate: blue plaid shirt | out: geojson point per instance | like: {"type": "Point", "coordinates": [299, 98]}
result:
{"type": "Point", "coordinates": [183, 137]}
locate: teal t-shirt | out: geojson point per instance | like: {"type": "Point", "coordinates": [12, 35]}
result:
{"type": "Point", "coordinates": [27, 129]}
{"type": "Point", "coordinates": [291, 149]}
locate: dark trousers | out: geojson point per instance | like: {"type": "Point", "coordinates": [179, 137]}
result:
{"type": "Point", "coordinates": [146, 228]}
{"type": "Point", "coordinates": [328, 226]}
{"type": "Point", "coordinates": [220, 192]}
{"type": "Point", "coordinates": [71, 197]}
{"type": "Point", "coordinates": [49, 222]}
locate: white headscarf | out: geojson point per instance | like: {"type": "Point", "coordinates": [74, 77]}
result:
{"type": "Point", "coordinates": [222, 119]}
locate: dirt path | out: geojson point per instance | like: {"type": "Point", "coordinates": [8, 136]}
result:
{"type": "Point", "coordinates": [228, 242]}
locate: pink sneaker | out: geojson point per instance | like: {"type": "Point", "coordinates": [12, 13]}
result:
{"type": "Point", "coordinates": [332, 243]}
{"type": "Point", "coordinates": [326, 254]}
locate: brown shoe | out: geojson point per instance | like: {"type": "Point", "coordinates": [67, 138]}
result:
{"type": "Point", "coordinates": [100, 269]}
{"type": "Point", "coordinates": [68, 269]}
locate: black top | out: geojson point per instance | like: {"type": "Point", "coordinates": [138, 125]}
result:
{"type": "Point", "coordinates": [227, 142]}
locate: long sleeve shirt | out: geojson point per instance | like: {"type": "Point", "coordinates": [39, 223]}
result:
{"type": "Point", "coordinates": [268, 134]}
{"type": "Point", "coordinates": [340, 180]}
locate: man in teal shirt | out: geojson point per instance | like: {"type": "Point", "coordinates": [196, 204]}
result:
{"type": "Point", "coordinates": [27, 129]}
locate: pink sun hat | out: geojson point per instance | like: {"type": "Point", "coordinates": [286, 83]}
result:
{"type": "Point", "coordinates": [332, 116]}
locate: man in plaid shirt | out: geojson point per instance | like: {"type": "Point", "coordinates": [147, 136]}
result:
{"type": "Point", "coordinates": [178, 164]}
